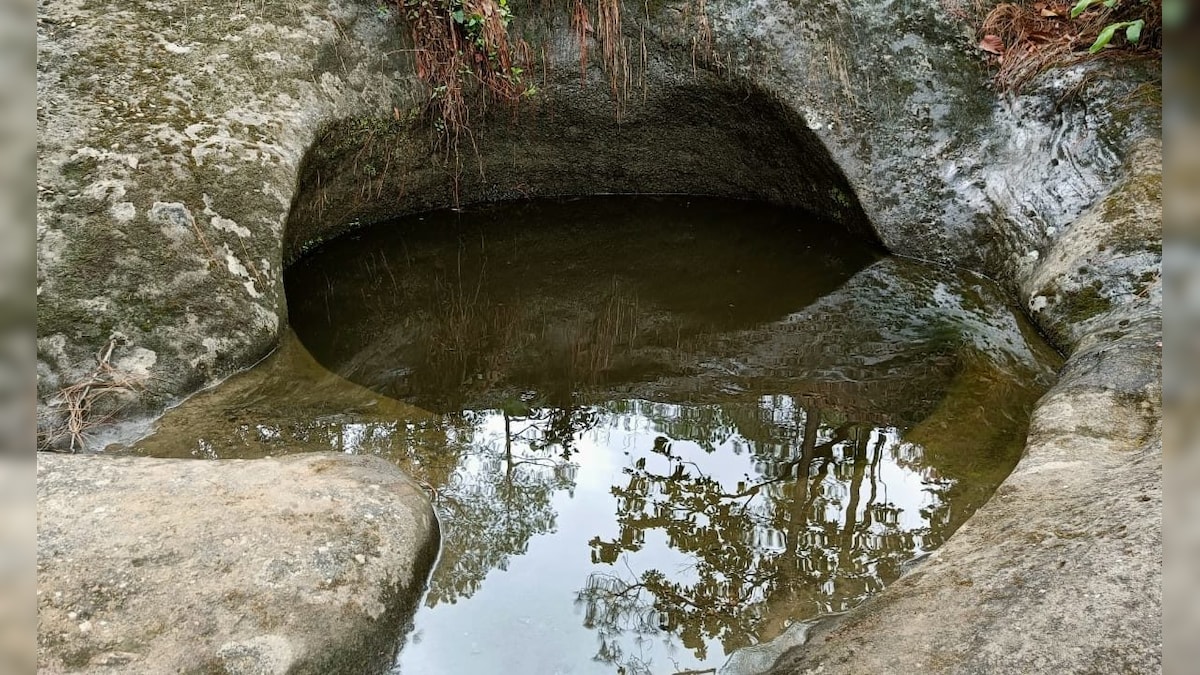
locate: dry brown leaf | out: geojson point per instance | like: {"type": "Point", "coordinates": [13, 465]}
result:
{"type": "Point", "coordinates": [992, 45]}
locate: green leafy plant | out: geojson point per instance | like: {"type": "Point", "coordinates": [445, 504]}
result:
{"type": "Point", "coordinates": [1024, 38]}
{"type": "Point", "coordinates": [1133, 33]}
{"type": "Point", "coordinates": [1133, 29]}
{"type": "Point", "coordinates": [1081, 6]}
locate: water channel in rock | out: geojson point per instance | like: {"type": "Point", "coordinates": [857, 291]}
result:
{"type": "Point", "coordinates": [656, 430]}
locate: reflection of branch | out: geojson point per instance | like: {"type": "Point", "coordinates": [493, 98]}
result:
{"type": "Point", "coordinates": [617, 580]}
{"type": "Point", "coordinates": [543, 462]}
{"type": "Point", "coordinates": [680, 598]}
{"type": "Point", "coordinates": [824, 450]}
{"type": "Point", "coordinates": [611, 601]}
{"type": "Point", "coordinates": [531, 427]}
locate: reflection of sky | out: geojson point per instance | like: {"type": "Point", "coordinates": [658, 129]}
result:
{"type": "Point", "coordinates": [525, 618]}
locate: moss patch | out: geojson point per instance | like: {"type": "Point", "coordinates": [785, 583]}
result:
{"type": "Point", "coordinates": [1085, 303]}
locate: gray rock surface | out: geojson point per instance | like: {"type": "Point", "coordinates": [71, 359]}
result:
{"type": "Point", "coordinates": [947, 168]}
{"type": "Point", "coordinates": [169, 138]}
{"type": "Point", "coordinates": [1061, 571]}
{"type": "Point", "coordinates": [186, 153]}
{"type": "Point", "coordinates": [303, 564]}
{"type": "Point", "coordinates": [760, 657]}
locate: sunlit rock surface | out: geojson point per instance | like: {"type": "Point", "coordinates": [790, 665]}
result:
{"type": "Point", "coordinates": [307, 564]}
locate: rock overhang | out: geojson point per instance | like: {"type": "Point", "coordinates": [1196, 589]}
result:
{"type": "Point", "coordinates": [166, 216]}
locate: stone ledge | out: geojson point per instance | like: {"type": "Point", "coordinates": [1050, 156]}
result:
{"type": "Point", "coordinates": [302, 564]}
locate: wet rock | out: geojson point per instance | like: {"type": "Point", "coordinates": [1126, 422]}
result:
{"type": "Point", "coordinates": [169, 141]}
{"type": "Point", "coordinates": [756, 659]}
{"type": "Point", "coordinates": [304, 564]}
{"type": "Point", "coordinates": [1061, 570]}
{"type": "Point", "coordinates": [161, 218]}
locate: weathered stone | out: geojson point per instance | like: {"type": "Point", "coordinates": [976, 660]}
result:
{"type": "Point", "coordinates": [1110, 259]}
{"type": "Point", "coordinates": [304, 564]}
{"type": "Point", "coordinates": [169, 142]}
{"type": "Point", "coordinates": [759, 658]}
{"type": "Point", "coordinates": [1061, 571]}
{"type": "Point", "coordinates": [946, 168]}
{"type": "Point", "coordinates": [162, 210]}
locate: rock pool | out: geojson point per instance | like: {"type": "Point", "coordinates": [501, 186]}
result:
{"type": "Point", "coordinates": [656, 429]}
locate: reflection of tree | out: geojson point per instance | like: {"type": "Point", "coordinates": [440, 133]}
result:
{"type": "Point", "coordinates": [797, 536]}
{"type": "Point", "coordinates": [617, 609]}
{"type": "Point", "coordinates": [500, 496]}
{"type": "Point", "coordinates": [707, 425]}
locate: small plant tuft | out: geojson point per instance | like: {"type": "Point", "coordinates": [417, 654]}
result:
{"type": "Point", "coordinates": [1025, 38]}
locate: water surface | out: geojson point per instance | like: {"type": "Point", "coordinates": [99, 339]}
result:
{"type": "Point", "coordinates": [657, 430]}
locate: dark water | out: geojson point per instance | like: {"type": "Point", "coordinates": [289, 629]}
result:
{"type": "Point", "coordinates": [657, 430]}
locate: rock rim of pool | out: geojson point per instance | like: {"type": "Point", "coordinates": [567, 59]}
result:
{"type": "Point", "coordinates": [301, 564]}
{"type": "Point", "coordinates": [161, 225]}
{"type": "Point", "coordinates": [1061, 570]}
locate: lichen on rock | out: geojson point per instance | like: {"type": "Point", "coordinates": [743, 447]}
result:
{"type": "Point", "coordinates": [169, 139]}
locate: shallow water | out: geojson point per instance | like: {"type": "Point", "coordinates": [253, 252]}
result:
{"type": "Point", "coordinates": [657, 430]}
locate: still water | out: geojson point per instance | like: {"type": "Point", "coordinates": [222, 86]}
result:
{"type": "Point", "coordinates": [656, 430]}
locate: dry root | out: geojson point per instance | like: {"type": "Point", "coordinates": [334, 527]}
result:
{"type": "Point", "coordinates": [464, 52]}
{"type": "Point", "coordinates": [76, 403]}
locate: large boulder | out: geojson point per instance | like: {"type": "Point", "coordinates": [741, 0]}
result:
{"type": "Point", "coordinates": [169, 139]}
{"type": "Point", "coordinates": [186, 154]}
{"type": "Point", "coordinates": [304, 564]}
{"type": "Point", "coordinates": [1061, 571]}
{"type": "Point", "coordinates": [185, 157]}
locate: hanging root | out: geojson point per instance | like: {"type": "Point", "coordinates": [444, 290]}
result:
{"type": "Point", "coordinates": [581, 23]}
{"type": "Point", "coordinates": [612, 47]}
{"type": "Point", "coordinates": [465, 56]}
{"type": "Point", "coordinates": [606, 30]}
